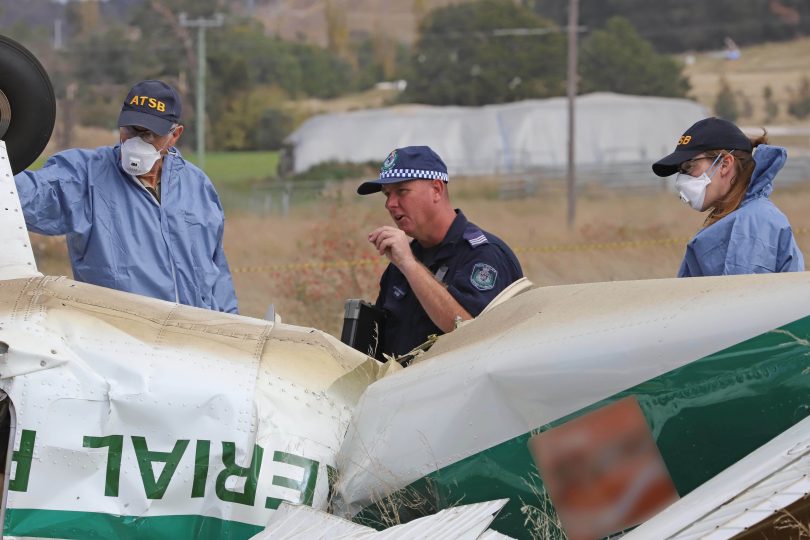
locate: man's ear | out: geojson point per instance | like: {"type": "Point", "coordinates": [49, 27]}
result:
{"type": "Point", "coordinates": [438, 189]}
{"type": "Point", "coordinates": [176, 135]}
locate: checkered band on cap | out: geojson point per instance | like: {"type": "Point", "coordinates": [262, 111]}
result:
{"type": "Point", "coordinates": [414, 173]}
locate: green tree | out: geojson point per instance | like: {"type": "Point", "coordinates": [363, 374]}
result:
{"type": "Point", "coordinates": [274, 126]}
{"type": "Point", "coordinates": [725, 106]}
{"type": "Point", "coordinates": [617, 59]}
{"type": "Point", "coordinates": [689, 25]}
{"type": "Point", "coordinates": [337, 31]}
{"type": "Point", "coordinates": [374, 65]}
{"type": "Point", "coordinates": [464, 57]}
{"type": "Point", "coordinates": [240, 55]}
{"type": "Point", "coordinates": [252, 120]}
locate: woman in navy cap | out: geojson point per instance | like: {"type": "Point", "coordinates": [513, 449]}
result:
{"type": "Point", "coordinates": [721, 170]}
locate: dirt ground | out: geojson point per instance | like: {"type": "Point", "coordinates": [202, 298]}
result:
{"type": "Point", "coordinates": [308, 262]}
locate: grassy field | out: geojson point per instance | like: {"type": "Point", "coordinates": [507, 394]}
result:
{"type": "Point", "coordinates": [223, 167]}
{"type": "Point", "coordinates": [308, 262]}
{"type": "Point", "coordinates": [234, 167]}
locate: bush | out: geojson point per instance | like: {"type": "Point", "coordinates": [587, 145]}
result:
{"type": "Point", "coordinates": [340, 170]}
{"type": "Point", "coordinates": [251, 120]}
{"type": "Point", "coordinates": [337, 262]}
{"type": "Point", "coordinates": [799, 105]}
{"type": "Point", "coordinates": [273, 127]}
{"type": "Point", "coordinates": [725, 106]}
{"type": "Point", "coordinates": [771, 106]}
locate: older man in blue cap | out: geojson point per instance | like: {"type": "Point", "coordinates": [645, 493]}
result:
{"type": "Point", "coordinates": [137, 216]}
{"type": "Point", "coordinates": [442, 267]}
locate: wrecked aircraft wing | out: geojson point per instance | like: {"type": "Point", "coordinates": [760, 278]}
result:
{"type": "Point", "coordinates": [717, 365]}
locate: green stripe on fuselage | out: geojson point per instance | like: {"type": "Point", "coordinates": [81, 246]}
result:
{"type": "Point", "coordinates": [88, 525]}
{"type": "Point", "coordinates": [705, 416]}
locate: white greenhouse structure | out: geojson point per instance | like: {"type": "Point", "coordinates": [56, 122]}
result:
{"type": "Point", "coordinates": [611, 129]}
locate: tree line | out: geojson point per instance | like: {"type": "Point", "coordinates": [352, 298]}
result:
{"type": "Point", "coordinates": [487, 51]}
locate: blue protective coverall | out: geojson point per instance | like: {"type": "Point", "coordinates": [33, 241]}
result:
{"type": "Point", "coordinates": [120, 237]}
{"type": "Point", "coordinates": [756, 238]}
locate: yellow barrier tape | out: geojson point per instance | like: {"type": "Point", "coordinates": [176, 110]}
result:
{"type": "Point", "coordinates": [600, 246]}
{"type": "Point", "coordinates": [539, 249]}
{"type": "Point", "coordinates": [307, 266]}
{"type": "Point", "coordinates": [559, 248]}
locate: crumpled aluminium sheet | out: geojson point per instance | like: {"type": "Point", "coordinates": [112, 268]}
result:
{"type": "Point", "coordinates": [117, 389]}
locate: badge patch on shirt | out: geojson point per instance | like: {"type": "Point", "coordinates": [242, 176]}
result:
{"type": "Point", "coordinates": [483, 276]}
{"type": "Point", "coordinates": [398, 293]}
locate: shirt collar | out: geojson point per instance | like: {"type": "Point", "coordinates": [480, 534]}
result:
{"type": "Point", "coordinates": [454, 234]}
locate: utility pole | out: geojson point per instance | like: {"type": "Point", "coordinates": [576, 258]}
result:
{"type": "Point", "coordinates": [57, 35]}
{"type": "Point", "coordinates": [201, 24]}
{"type": "Point", "coordinates": [573, 16]}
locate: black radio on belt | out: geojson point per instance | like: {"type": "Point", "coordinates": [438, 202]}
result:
{"type": "Point", "coordinates": [363, 327]}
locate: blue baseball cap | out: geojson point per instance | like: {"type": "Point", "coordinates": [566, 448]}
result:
{"type": "Point", "coordinates": [153, 105]}
{"type": "Point", "coordinates": [408, 163]}
{"type": "Point", "coordinates": [704, 135]}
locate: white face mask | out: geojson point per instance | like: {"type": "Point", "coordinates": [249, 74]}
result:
{"type": "Point", "coordinates": [138, 156]}
{"type": "Point", "coordinates": [692, 189]}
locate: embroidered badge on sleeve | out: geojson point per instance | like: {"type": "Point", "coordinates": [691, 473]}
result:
{"type": "Point", "coordinates": [483, 276]}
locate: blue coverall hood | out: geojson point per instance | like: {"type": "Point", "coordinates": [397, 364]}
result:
{"type": "Point", "coordinates": [755, 238]}
{"type": "Point", "coordinates": [769, 161]}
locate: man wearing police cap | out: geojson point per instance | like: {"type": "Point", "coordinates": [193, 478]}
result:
{"type": "Point", "coordinates": [442, 267]}
{"type": "Point", "coordinates": [138, 217]}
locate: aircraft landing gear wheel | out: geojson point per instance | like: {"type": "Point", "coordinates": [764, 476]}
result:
{"type": "Point", "coordinates": [27, 104]}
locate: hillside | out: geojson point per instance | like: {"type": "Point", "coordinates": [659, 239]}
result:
{"type": "Point", "coordinates": [306, 20]}
{"type": "Point", "coordinates": [778, 65]}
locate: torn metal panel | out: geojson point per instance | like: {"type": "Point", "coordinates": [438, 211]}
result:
{"type": "Point", "coordinates": [18, 257]}
{"type": "Point", "coordinates": [468, 522]}
{"type": "Point", "coordinates": [296, 522]}
{"type": "Point", "coordinates": [156, 410]}
{"type": "Point", "coordinates": [754, 489]}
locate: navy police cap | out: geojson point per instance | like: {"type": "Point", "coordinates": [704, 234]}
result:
{"type": "Point", "coordinates": [407, 163]}
{"type": "Point", "coordinates": [707, 134]}
{"type": "Point", "coordinates": [153, 105]}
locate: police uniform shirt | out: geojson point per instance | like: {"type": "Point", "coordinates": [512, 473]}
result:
{"type": "Point", "coordinates": [473, 264]}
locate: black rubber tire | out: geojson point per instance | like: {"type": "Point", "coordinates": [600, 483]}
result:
{"type": "Point", "coordinates": [28, 89]}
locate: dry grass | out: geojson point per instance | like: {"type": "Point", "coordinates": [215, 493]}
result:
{"type": "Point", "coordinates": [269, 255]}
{"type": "Point", "coordinates": [539, 518]}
